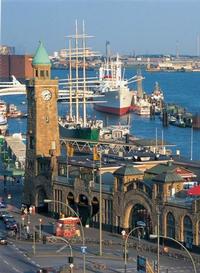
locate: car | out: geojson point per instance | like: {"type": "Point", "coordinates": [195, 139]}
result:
{"type": "Point", "coordinates": [2, 205]}
{"type": "Point", "coordinates": [3, 240]}
{"type": "Point", "coordinates": [7, 218]}
{"type": "Point", "coordinates": [2, 213]}
{"type": "Point", "coordinates": [11, 224]}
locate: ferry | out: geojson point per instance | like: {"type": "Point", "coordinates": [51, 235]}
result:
{"type": "Point", "coordinates": [13, 85]}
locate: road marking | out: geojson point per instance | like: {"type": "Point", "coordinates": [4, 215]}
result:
{"type": "Point", "coordinates": [15, 269]}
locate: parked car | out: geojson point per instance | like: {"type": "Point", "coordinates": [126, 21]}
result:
{"type": "Point", "coordinates": [3, 212]}
{"type": "Point", "coordinates": [2, 205]}
{"type": "Point", "coordinates": [3, 240]}
{"type": "Point", "coordinates": [7, 218]}
{"type": "Point", "coordinates": [11, 224]}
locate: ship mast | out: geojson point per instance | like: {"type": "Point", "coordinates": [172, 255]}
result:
{"type": "Point", "coordinates": [70, 79]}
{"type": "Point", "coordinates": [77, 74]}
{"type": "Point", "coordinates": [84, 78]}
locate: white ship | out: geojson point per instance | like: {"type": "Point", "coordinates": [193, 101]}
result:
{"type": "Point", "coordinates": [14, 85]}
{"type": "Point", "coordinates": [117, 95]}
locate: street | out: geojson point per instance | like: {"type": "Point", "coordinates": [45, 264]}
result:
{"type": "Point", "coordinates": [19, 255]}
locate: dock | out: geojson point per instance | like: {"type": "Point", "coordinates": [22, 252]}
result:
{"type": "Point", "coordinates": [16, 149]}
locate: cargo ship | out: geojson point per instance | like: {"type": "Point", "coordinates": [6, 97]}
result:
{"type": "Point", "coordinates": [117, 95]}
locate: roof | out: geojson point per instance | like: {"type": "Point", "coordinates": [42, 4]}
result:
{"type": "Point", "coordinates": [127, 170]}
{"type": "Point", "coordinates": [41, 56]}
{"type": "Point", "coordinates": [168, 177]}
{"type": "Point", "coordinates": [160, 168]}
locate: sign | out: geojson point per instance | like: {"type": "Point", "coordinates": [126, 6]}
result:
{"type": "Point", "coordinates": [83, 249]}
{"type": "Point", "coordinates": [141, 264]}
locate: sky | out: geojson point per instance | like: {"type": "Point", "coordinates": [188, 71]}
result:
{"type": "Point", "coordinates": [140, 27]}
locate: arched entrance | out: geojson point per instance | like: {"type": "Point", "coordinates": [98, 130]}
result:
{"type": "Point", "coordinates": [170, 225]}
{"type": "Point", "coordinates": [71, 203]}
{"type": "Point", "coordinates": [140, 216]}
{"type": "Point", "coordinates": [41, 206]}
{"type": "Point", "coordinates": [188, 231]}
{"type": "Point", "coordinates": [84, 209]}
{"type": "Point", "coordinates": [95, 206]}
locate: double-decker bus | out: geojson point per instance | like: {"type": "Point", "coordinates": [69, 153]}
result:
{"type": "Point", "coordinates": [68, 227]}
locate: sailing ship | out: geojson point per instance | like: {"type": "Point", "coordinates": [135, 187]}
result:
{"type": "Point", "coordinates": [77, 91]}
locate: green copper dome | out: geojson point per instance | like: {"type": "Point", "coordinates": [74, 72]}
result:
{"type": "Point", "coordinates": [41, 56]}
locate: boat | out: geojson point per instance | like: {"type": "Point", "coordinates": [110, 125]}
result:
{"type": "Point", "coordinates": [143, 107]}
{"type": "Point", "coordinates": [13, 85]}
{"type": "Point", "coordinates": [3, 107]}
{"type": "Point", "coordinates": [3, 124]}
{"type": "Point", "coordinates": [75, 126]}
{"type": "Point", "coordinates": [13, 112]}
{"type": "Point", "coordinates": [117, 95]}
{"type": "Point", "coordinates": [115, 132]}
{"type": "Point", "coordinates": [157, 99]}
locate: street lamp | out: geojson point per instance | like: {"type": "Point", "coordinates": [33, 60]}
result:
{"type": "Point", "coordinates": [125, 246]}
{"type": "Point", "coordinates": [82, 230]}
{"type": "Point", "coordinates": [100, 207]}
{"type": "Point", "coordinates": [153, 236]}
{"type": "Point", "coordinates": [71, 257]}
{"type": "Point", "coordinates": [40, 228]}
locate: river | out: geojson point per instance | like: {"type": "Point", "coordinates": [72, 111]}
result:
{"type": "Point", "coordinates": [180, 88]}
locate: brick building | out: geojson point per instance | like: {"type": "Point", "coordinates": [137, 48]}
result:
{"type": "Point", "coordinates": [18, 65]}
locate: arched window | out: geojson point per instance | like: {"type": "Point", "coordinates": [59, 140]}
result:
{"type": "Point", "coordinates": [170, 225]}
{"type": "Point", "coordinates": [188, 231]}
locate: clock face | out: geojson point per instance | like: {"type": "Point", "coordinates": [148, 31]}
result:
{"type": "Point", "coordinates": [46, 94]}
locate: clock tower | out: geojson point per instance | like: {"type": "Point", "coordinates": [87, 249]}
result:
{"type": "Point", "coordinates": [43, 142]}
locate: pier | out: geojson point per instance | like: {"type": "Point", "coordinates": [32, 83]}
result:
{"type": "Point", "coordinates": [16, 150]}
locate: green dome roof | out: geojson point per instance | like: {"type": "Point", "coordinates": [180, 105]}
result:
{"type": "Point", "coordinates": [41, 56]}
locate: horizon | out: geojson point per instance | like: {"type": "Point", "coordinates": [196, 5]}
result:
{"type": "Point", "coordinates": [156, 28]}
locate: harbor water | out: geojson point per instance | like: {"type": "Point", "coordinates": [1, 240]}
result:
{"type": "Point", "coordinates": [180, 88]}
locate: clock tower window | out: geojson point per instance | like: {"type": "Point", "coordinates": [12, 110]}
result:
{"type": "Point", "coordinates": [41, 73]}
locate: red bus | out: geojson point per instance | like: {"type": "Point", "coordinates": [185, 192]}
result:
{"type": "Point", "coordinates": [68, 227]}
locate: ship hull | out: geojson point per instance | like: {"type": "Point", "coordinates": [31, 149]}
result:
{"type": "Point", "coordinates": [117, 102]}
{"type": "Point", "coordinates": [80, 133]}
{"type": "Point", "coordinates": [112, 110]}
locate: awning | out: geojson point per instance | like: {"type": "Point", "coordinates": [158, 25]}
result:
{"type": "Point", "coordinates": [194, 191]}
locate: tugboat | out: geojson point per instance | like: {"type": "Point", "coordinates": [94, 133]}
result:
{"type": "Point", "coordinates": [157, 99]}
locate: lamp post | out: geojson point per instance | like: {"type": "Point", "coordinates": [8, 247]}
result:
{"type": "Point", "coordinates": [152, 236]}
{"type": "Point", "coordinates": [71, 257]}
{"type": "Point", "coordinates": [125, 246]}
{"type": "Point", "coordinates": [40, 228]}
{"type": "Point", "coordinates": [158, 241]}
{"type": "Point", "coordinates": [82, 230]}
{"type": "Point", "coordinates": [100, 207]}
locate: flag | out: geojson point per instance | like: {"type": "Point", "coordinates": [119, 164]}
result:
{"type": "Point", "coordinates": [96, 155]}
{"type": "Point", "coordinates": [70, 150]}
